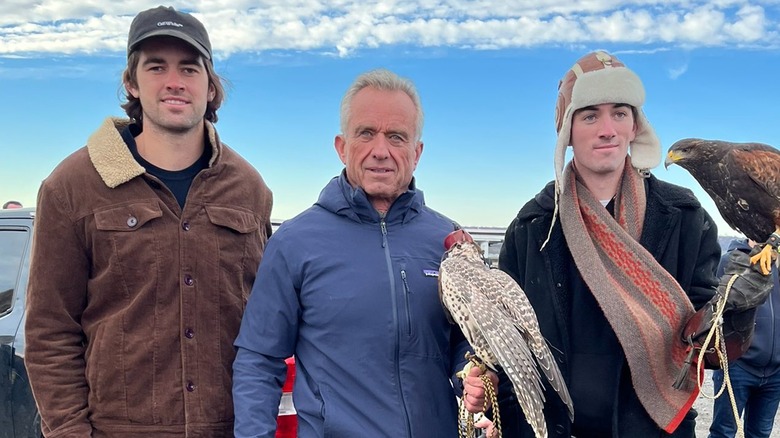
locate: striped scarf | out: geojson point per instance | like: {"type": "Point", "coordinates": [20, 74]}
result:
{"type": "Point", "coordinates": [643, 303]}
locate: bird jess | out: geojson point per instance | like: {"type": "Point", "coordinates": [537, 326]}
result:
{"type": "Point", "coordinates": [498, 321]}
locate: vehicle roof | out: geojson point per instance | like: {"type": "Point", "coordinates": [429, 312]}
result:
{"type": "Point", "coordinates": [17, 213]}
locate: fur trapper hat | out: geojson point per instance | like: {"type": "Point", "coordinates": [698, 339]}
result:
{"type": "Point", "coordinates": [598, 78]}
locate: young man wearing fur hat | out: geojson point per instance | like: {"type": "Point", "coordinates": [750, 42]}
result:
{"type": "Point", "coordinates": [615, 263]}
{"type": "Point", "coordinates": [147, 241]}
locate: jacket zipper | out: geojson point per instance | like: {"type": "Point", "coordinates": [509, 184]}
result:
{"type": "Point", "coordinates": [397, 352]}
{"type": "Point", "coordinates": [407, 294]}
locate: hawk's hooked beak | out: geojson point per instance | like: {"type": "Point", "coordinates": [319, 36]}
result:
{"type": "Point", "coordinates": [671, 158]}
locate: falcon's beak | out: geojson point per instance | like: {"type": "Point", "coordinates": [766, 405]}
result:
{"type": "Point", "coordinates": [671, 158]}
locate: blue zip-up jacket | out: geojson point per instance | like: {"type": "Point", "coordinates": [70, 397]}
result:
{"type": "Point", "coordinates": [763, 356]}
{"type": "Point", "coordinates": [355, 298]}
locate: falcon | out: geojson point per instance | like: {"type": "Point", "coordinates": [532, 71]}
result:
{"type": "Point", "coordinates": [498, 321]}
{"type": "Point", "coordinates": [743, 179]}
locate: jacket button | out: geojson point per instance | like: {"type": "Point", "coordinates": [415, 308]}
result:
{"type": "Point", "coordinates": [185, 226]}
{"type": "Point", "coordinates": [132, 221]}
{"type": "Point", "coordinates": [189, 333]}
{"type": "Point", "coordinates": [190, 386]}
{"type": "Point", "coordinates": [188, 280]}
{"type": "Point", "coordinates": [560, 429]}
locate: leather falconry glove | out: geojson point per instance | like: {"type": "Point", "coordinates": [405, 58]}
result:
{"type": "Point", "coordinates": [749, 290]}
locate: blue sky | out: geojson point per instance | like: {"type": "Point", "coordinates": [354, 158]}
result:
{"type": "Point", "coordinates": [487, 72]}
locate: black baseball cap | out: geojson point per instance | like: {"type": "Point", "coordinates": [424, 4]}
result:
{"type": "Point", "coordinates": [166, 21]}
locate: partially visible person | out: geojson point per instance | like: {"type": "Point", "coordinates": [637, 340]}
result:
{"type": "Point", "coordinates": [12, 204]}
{"type": "Point", "coordinates": [615, 263]}
{"type": "Point", "coordinates": [755, 376]}
{"type": "Point", "coordinates": [350, 288]}
{"type": "Point", "coordinates": [146, 247]}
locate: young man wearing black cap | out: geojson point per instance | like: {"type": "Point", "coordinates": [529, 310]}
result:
{"type": "Point", "coordinates": [147, 243]}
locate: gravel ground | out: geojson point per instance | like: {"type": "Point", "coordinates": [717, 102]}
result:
{"type": "Point", "coordinates": [703, 406]}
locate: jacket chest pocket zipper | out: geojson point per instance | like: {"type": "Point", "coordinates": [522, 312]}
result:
{"type": "Point", "coordinates": [407, 293]}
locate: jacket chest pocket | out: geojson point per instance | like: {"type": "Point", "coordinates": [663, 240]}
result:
{"type": "Point", "coordinates": [127, 241]}
{"type": "Point", "coordinates": [237, 239]}
{"type": "Point", "coordinates": [419, 301]}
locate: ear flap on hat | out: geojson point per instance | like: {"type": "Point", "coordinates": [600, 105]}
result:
{"type": "Point", "coordinates": [564, 137]}
{"type": "Point", "coordinates": [645, 150]}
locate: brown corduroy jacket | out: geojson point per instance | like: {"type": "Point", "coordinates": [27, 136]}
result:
{"type": "Point", "coordinates": [134, 303]}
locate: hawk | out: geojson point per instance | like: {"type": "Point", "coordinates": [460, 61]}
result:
{"type": "Point", "coordinates": [743, 179]}
{"type": "Point", "coordinates": [498, 321]}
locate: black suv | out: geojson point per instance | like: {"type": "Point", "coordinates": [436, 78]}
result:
{"type": "Point", "coordinates": [18, 415]}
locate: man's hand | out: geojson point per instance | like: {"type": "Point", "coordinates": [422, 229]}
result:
{"type": "Point", "coordinates": [474, 391]}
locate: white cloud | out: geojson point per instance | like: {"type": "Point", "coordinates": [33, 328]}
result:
{"type": "Point", "coordinates": [53, 27]}
{"type": "Point", "coordinates": [675, 73]}
{"type": "Point", "coordinates": [752, 25]}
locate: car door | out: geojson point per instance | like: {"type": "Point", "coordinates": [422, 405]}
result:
{"type": "Point", "coordinates": [18, 413]}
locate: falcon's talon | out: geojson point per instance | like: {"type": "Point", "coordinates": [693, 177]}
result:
{"type": "Point", "coordinates": [765, 257]}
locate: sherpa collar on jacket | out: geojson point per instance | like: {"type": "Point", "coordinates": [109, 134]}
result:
{"type": "Point", "coordinates": [113, 160]}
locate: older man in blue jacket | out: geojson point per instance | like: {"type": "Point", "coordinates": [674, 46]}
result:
{"type": "Point", "coordinates": [349, 287]}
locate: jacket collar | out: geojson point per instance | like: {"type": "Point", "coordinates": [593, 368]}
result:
{"type": "Point", "coordinates": [113, 160]}
{"type": "Point", "coordinates": [341, 198]}
{"type": "Point", "coordinates": [665, 195]}
{"type": "Point", "coordinates": [664, 205]}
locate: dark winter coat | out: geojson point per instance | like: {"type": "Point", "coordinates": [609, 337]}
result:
{"type": "Point", "coordinates": [354, 296]}
{"type": "Point", "coordinates": [677, 231]}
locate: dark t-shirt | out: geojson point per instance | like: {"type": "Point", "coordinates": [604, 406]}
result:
{"type": "Point", "coordinates": [595, 363]}
{"type": "Point", "coordinates": [178, 181]}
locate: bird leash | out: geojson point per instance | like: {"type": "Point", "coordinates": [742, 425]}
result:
{"type": "Point", "coordinates": [716, 331]}
{"type": "Point", "coordinates": [465, 418]}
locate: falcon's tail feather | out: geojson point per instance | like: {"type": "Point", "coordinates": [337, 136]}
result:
{"type": "Point", "coordinates": [517, 305]}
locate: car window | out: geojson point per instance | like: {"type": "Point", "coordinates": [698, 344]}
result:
{"type": "Point", "coordinates": [12, 245]}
